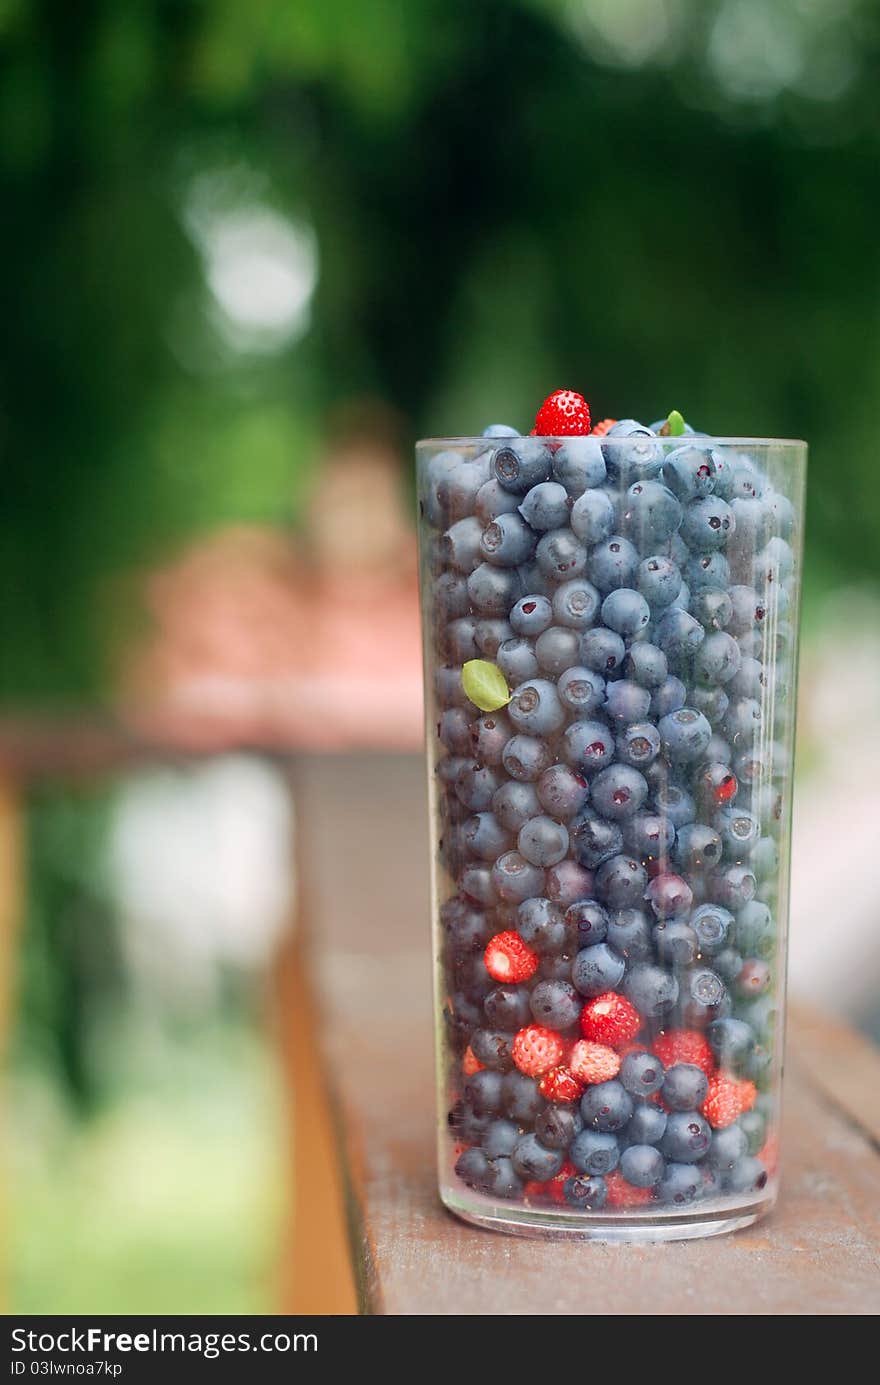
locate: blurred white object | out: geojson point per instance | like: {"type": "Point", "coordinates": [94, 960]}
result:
{"type": "Point", "coordinates": [835, 917]}
{"type": "Point", "coordinates": [200, 865]}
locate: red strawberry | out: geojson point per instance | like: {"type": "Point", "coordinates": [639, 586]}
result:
{"type": "Point", "coordinates": [563, 413]}
{"type": "Point", "coordinates": [536, 1050]}
{"type": "Point", "coordinates": [684, 1046]}
{"type": "Point", "coordinates": [560, 1084]}
{"type": "Point", "coordinates": [508, 959]}
{"type": "Point", "coordinates": [470, 1063]}
{"type": "Point", "coordinates": [593, 1062]}
{"type": "Point", "coordinates": [623, 1194]}
{"type": "Point", "coordinates": [769, 1153]}
{"type": "Point", "coordinates": [552, 1190]}
{"type": "Point", "coordinates": [600, 429]}
{"type": "Point", "coordinates": [610, 1019]}
{"type": "Point", "coordinates": [728, 1098]}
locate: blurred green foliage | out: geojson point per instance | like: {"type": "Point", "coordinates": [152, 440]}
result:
{"type": "Point", "coordinates": [665, 204]}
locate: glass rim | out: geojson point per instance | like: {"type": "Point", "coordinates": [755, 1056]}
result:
{"type": "Point", "coordinates": [681, 440]}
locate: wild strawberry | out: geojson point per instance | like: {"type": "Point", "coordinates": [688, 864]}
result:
{"type": "Point", "coordinates": [602, 427]}
{"type": "Point", "coordinates": [560, 1084]}
{"type": "Point", "coordinates": [555, 1186]}
{"type": "Point", "coordinates": [728, 1098]}
{"type": "Point", "coordinates": [563, 413]}
{"type": "Point", "coordinates": [769, 1154]}
{"type": "Point", "coordinates": [536, 1050]}
{"type": "Point", "coordinates": [684, 1046]}
{"type": "Point", "coordinates": [508, 959]}
{"type": "Point", "coordinates": [593, 1062]}
{"type": "Point", "coordinates": [610, 1019]}
{"type": "Point", "coordinates": [623, 1194]}
{"type": "Point", "coordinates": [470, 1063]}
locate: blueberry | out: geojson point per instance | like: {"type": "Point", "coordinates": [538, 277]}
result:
{"type": "Point", "coordinates": [541, 926]}
{"type": "Point", "coordinates": [584, 1190]}
{"type": "Point", "coordinates": [620, 881]}
{"type": "Point", "coordinates": [485, 836]}
{"type": "Point", "coordinates": [646, 664]}
{"type": "Point", "coordinates": [472, 1167]}
{"type": "Point", "coordinates": [728, 964]}
{"type": "Point", "coordinates": [651, 514]}
{"type": "Point", "coordinates": [712, 702]}
{"type": "Point", "coordinates": [676, 942]}
{"type": "Point", "coordinates": [557, 649]}
{"type": "Point", "coordinates": [502, 1179]}
{"type": "Point", "coordinates": [733, 886]}
{"type": "Point", "coordinates": [750, 527]}
{"type": "Point", "coordinates": [739, 831]}
{"type": "Point", "coordinates": [588, 921]}
{"type": "Point", "coordinates": [491, 1047]}
{"type": "Point", "coordinates": [690, 472]}
{"type": "Point", "coordinates": [516, 879]}
{"type": "Point", "coordinates": [562, 791]}
{"type": "Point", "coordinates": [454, 730]}
{"type": "Point", "coordinates": [557, 1125]}
{"type": "Point", "coordinates": [488, 737]}
{"type": "Point", "coordinates": [490, 634]}
{"type": "Point", "coordinates": [669, 895]}
{"type": "Point", "coordinates": [704, 998]}
{"type": "Point", "coordinates": [560, 555]}
{"type": "Point", "coordinates": [687, 1137]}
{"type": "Point", "coordinates": [743, 721]}
{"type": "Point", "coordinates": [638, 458]}
{"type": "Point", "coordinates": [593, 1151]}
{"type": "Point", "coordinates": [697, 846]}
{"type": "Point", "coordinates": [475, 785]}
{"type": "Point", "coordinates": [588, 745]}
{"type": "Point", "coordinates": [642, 1075]}
{"type": "Point", "coordinates": [629, 933]}
{"type": "Point", "coordinates": [754, 1126]}
{"type": "Point", "coordinates": [477, 883]}
{"type": "Point", "coordinates": [484, 1092]}
{"type": "Point", "coordinates": [754, 931]}
{"type": "Point", "coordinates": [625, 611]}
{"type": "Point", "coordinates": [507, 1008]}
{"type": "Point", "coordinates": [648, 835]}
{"type": "Point", "coordinates": [669, 697]}
{"type": "Point", "coordinates": [466, 928]}
{"type": "Point", "coordinates": [676, 804]}
{"type": "Point", "coordinates": [493, 500]}
{"type": "Point", "coordinates": [531, 615]}
{"type": "Point", "coordinates": [535, 708]}
{"type": "Point", "coordinates": [592, 517]}
{"type": "Point", "coordinates": [685, 1087]}
{"type": "Point", "coordinates": [500, 430]}
{"type": "Point", "coordinates": [602, 650]}
{"type": "Point", "coordinates": [681, 1183]}
{"type": "Point", "coordinates": [522, 1098]}
{"type": "Point", "coordinates": [732, 1041]}
{"type": "Point", "coordinates": [706, 572]}
{"type": "Point", "coordinates": [658, 579]}
{"type": "Point", "coordinates": [712, 924]}
{"type": "Point", "coordinates": [451, 595]}
{"type": "Point", "coordinates": [638, 744]}
{"type": "Point", "coordinates": [651, 990]}
{"type": "Point", "coordinates": [642, 1165]}
{"type": "Point", "coordinates": [718, 750]}
{"type": "Point", "coordinates": [514, 803]}
{"type": "Point", "coordinates": [493, 590]}
{"type": "Point", "coordinates": [517, 660]}
{"type": "Point", "coordinates": [748, 1175]}
{"type": "Point", "coordinates": [556, 968]}
{"type": "Point", "coordinates": [575, 604]}
{"type": "Point", "coordinates": [526, 758]}
{"type": "Point", "coordinates": [545, 506]}
{"type": "Point", "coordinates": [532, 1160]}
{"type": "Point", "coordinates": [613, 563]}
{"type": "Point", "coordinates": [606, 1106]}
{"type": "Point", "coordinates": [542, 841]}
{"type": "Point", "coordinates": [460, 639]}
{"type": "Point", "coordinates": [556, 1004]}
{"type": "Point", "coordinates": [567, 882]}
{"type": "Point", "coordinates": [748, 681]}
{"type": "Point", "coordinates": [727, 1148]}
{"type": "Point", "coordinates": [597, 969]}
{"type": "Point", "coordinates": [707, 524]}
{"type": "Point", "coordinates": [626, 702]}
{"type": "Point", "coordinates": [460, 545]}
{"type": "Point", "coordinates": [647, 1123]}
{"type": "Point", "coordinates": [678, 634]}
{"type": "Point", "coordinates": [764, 858]}
{"type": "Point", "coordinates": [579, 464]}
{"type": "Point", "coordinates": [593, 839]}
{"type": "Point", "coordinates": [500, 1138]}
{"type": "Point", "coordinates": [684, 735]}
{"type": "Point", "coordinates": [522, 464]}
{"type": "Point", "coordinates": [717, 659]}
{"type": "Point", "coordinates": [712, 607]}
{"type": "Point", "coordinates": [582, 690]}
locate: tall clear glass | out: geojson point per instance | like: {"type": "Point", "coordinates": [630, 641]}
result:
{"type": "Point", "coordinates": [610, 634]}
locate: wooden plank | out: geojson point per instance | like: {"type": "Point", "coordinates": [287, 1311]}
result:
{"type": "Point", "coordinates": [842, 1064]}
{"type": "Point", "coordinates": [818, 1253]}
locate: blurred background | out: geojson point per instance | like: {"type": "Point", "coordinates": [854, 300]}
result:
{"type": "Point", "coordinates": [249, 253]}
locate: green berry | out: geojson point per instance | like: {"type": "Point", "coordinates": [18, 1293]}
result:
{"type": "Point", "coordinates": [675, 424]}
{"type": "Point", "coordinates": [485, 685]}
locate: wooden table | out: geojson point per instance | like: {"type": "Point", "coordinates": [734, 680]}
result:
{"type": "Point", "coordinates": [363, 853]}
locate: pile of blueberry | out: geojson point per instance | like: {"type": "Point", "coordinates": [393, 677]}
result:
{"type": "Point", "coordinates": [613, 651]}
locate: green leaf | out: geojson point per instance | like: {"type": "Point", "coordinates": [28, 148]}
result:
{"type": "Point", "coordinates": [485, 685]}
{"type": "Point", "coordinates": [675, 424]}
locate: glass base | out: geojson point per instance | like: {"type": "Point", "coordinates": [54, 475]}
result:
{"type": "Point", "coordinates": [717, 1220]}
